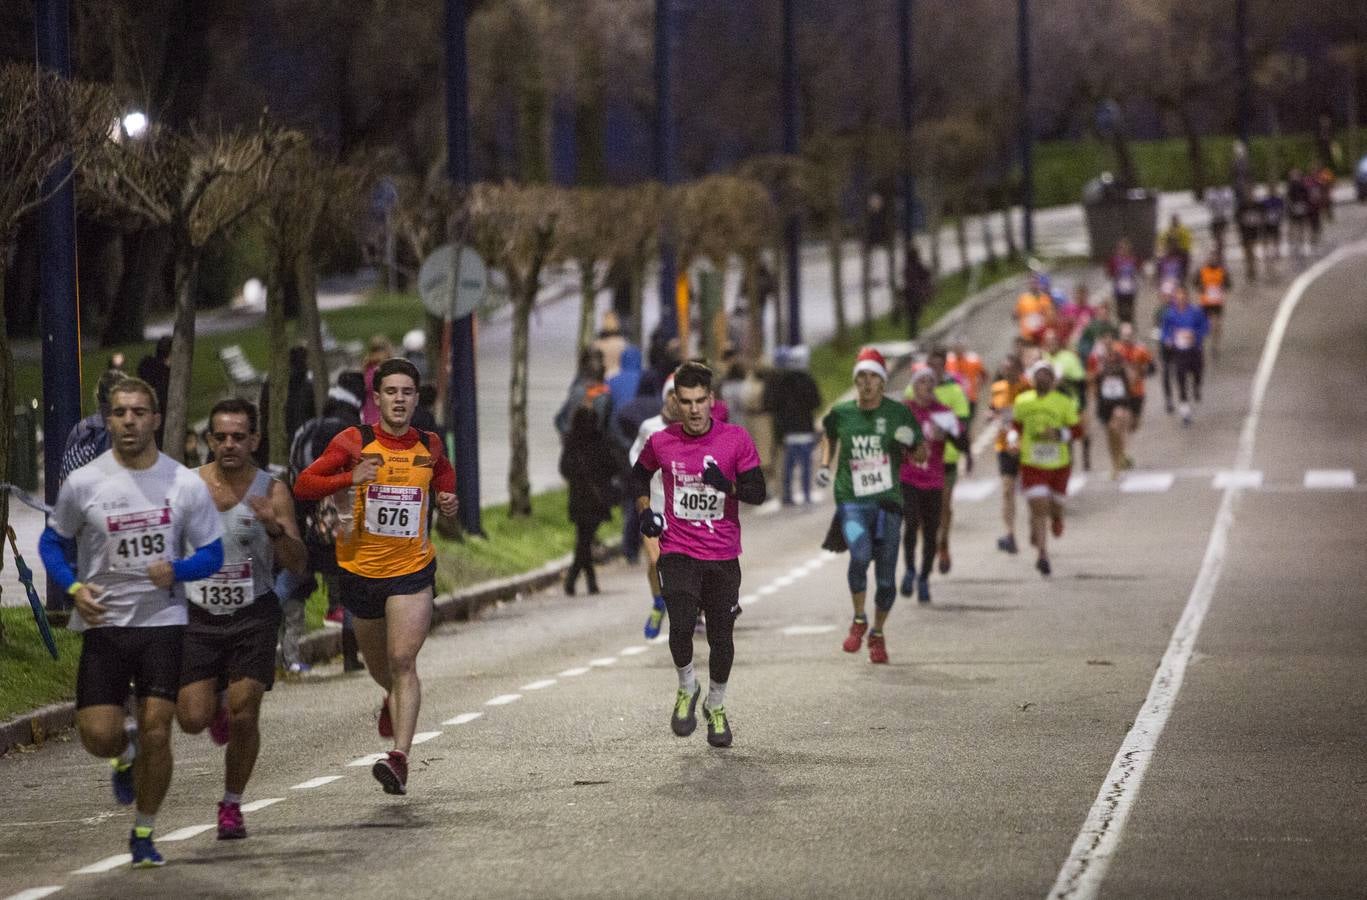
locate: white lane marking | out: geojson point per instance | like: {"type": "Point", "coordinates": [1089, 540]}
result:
{"type": "Point", "coordinates": [818, 496]}
{"type": "Point", "coordinates": [767, 590]}
{"type": "Point", "coordinates": [636, 650]}
{"type": "Point", "coordinates": [368, 760]}
{"type": "Point", "coordinates": [1245, 478]}
{"type": "Point", "coordinates": [827, 555]}
{"type": "Point", "coordinates": [660, 639]}
{"type": "Point", "coordinates": [985, 437]}
{"type": "Point", "coordinates": [769, 507]}
{"type": "Point", "coordinates": [262, 803]}
{"type": "Point", "coordinates": [36, 893]}
{"type": "Point", "coordinates": [603, 661]}
{"type": "Point", "coordinates": [799, 630]}
{"type": "Point", "coordinates": [423, 737]}
{"type": "Point", "coordinates": [783, 581]}
{"type": "Point", "coordinates": [749, 598]}
{"type": "Point", "coordinates": [462, 719]}
{"type": "Point", "coordinates": [975, 490]}
{"type": "Point", "coordinates": [184, 834]}
{"type": "Point", "coordinates": [1330, 479]}
{"type": "Point", "coordinates": [315, 782]}
{"type": "Point", "coordinates": [1099, 839]}
{"type": "Point", "coordinates": [1146, 483]}
{"type": "Point", "coordinates": [1076, 483]}
{"type": "Point", "coordinates": [503, 700]}
{"type": "Point", "coordinates": [105, 865]}
{"type": "Point", "coordinates": [539, 685]}
{"type": "Point", "coordinates": [575, 672]}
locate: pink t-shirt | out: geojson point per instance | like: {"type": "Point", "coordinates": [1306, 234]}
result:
{"type": "Point", "coordinates": [938, 420]}
{"type": "Point", "coordinates": [702, 523]}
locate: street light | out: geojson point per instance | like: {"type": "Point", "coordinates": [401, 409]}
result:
{"type": "Point", "coordinates": [134, 124]}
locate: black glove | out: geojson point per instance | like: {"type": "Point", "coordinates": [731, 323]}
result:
{"type": "Point", "coordinates": [652, 523]}
{"type": "Point", "coordinates": [713, 478]}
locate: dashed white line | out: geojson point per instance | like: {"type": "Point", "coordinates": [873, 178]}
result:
{"type": "Point", "coordinates": [769, 507]}
{"type": "Point", "coordinates": [1076, 483]}
{"type": "Point", "coordinates": [36, 893]}
{"type": "Point", "coordinates": [1330, 479]}
{"type": "Point", "coordinates": [800, 630]}
{"type": "Point", "coordinates": [1146, 483]}
{"type": "Point", "coordinates": [975, 490]}
{"type": "Point", "coordinates": [539, 685]}
{"type": "Point", "coordinates": [767, 590]}
{"type": "Point", "coordinates": [184, 834]}
{"type": "Point", "coordinates": [783, 581]}
{"type": "Point", "coordinates": [315, 782]}
{"type": "Point", "coordinates": [603, 661]}
{"type": "Point", "coordinates": [462, 719]}
{"type": "Point", "coordinates": [107, 864]}
{"type": "Point", "coordinates": [575, 672]}
{"type": "Point", "coordinates": [748, 599]}
{"type": "Point", "coordinates": [637, 650]}
{"type": "Point", "coordinates": [660, 639]}
{"type": "Point", "coordinates": [423, 737]}
{"type": "Point", "coordinates": [368, 760]}
{"type": "Point", "coordinates": [262, 803]}
{"type": "Point", "coordinates": [1240, 478]}
{"type": "Point", "coordinates": [503, 700]}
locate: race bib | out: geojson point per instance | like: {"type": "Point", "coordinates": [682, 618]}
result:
{"type": "Point", "coordinates": [1113, 388]}
{"type": "Point", "coordinates": [698, 503]}
{"type": "Point", "coordinates": [136, 540]}
{"type": "Point", "coordinates": [1124, 284]}
{"type": "Point", "coordinates": [226, 591]}
{"type": "Point", "coordinates": [1033, 321]}
{"type": "Point", "coordinates": [871, 476]}
{"type": "Point", "coordinates": [1184, 339]}
{"type": "Point", "coordinates": [393, 511]}
{"type": "Point", "coordinates": [1046, 452]}
{"type": "Point", "coordinates": [1214, 296]}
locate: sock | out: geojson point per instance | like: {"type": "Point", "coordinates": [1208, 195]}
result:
{"type": "Point", "coordinates": [877, 632]}
{"type": "Point", "coordinates": [659, 602]}
{"type": "Point", "coordinates": [688, 681]}
{"type": "Point", "coordinates": [130, 749]}
{"type": "Point", "coordinates": [716, 695]}
{"type": "Point", "coordinates": [144, 821]}
{"type": "Point", "coordinates": [231, 799]}
{"type": "Point", "coordinates": [860, 617]}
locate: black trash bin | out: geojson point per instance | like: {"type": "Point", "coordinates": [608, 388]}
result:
{"type": "Point", "coordinates": [1114, 213]}
{"type": "Point", "coordinates": [23, 466]}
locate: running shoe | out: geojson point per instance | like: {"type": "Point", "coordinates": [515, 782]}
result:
{"type": "Point", "coordinates": [923, 590]}
{"type": "Point", "coordinates": [334, 618]}
{"type": "Point", "coordinates": [391, 772]}
{"type": "Point", "coordinates": [1007, 544]}
{"type": "Point", "coordinates": [944, 561]}
{"type": "Point", "coordinates": [908, 582]}
{"type": "Point", "coordinates": [683, 720]}
{"type": "Point", "coordinates": [1043, 565]}
{"type": "Point", "coordinates": [125, 791]}
{"type": "Point", "coordinates": [718, 729]}
{"type": "Point", "coordinates": [1185, 412]}
{"type": "Point", "coordinates": [1056, 525]}
{"type": "Point", "coordinates": [856, 635]}
{"type": "Point", "coordinates": [231, 826]}
{"type": "Point", "coordinates": [878, 651]}
{"type": "Point", "coordinates": [386, 724]}
{"type": "Point", "coordinates": [298, 669]}
{"type": "Point", "coordinates": [656, 619]}
{"type": "Point", "coordinates": [220, 729]}
{"type": "Point", "coordinates": [143, 851]}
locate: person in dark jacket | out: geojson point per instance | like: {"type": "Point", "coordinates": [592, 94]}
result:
{"type": "Point", "coordinates": [794, 398]}
{"type": "Point", "coordinates": [155, 369]}
{"type": "Point", "coordinates": [298, 404]}
{"type": "Point", "coordinates": [589, 461]}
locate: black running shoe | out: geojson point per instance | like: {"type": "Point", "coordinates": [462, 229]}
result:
{"type": "Point", "coordinates": [718, 729]}
{"type": "Point", "coordinates": [684, 720]}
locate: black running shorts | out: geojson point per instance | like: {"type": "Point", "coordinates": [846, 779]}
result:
{"type": "Point", "coordinates": [235, 646]}
{"type": "Point", "coordinates": [1008, 464]}
{"type": "Point", "coordinates": [112, 656]}
{"type": "Point", "coordinates": [365, 597]}
{"type": "Point", "coordinates": [712, 585]}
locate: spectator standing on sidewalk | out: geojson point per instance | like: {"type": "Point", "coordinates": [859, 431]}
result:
{"type": "Point", "coordinates": [155, 369]}
{"type": "Point", "coordinates": [298, 403]}
{"type": "Point", "coordinates": [591, 463]}
{"type": "Point", "coordinates": [794, 399]}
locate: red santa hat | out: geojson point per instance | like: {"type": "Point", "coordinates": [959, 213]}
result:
{"type": "Point", "coordinates": [870, 360]}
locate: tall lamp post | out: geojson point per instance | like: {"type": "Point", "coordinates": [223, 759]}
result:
{"type": "Point", "coordinates": [665, 171]}
{"type": "Point", "coordinates": [1027, 141]}
{"type": "Point", "coordinates": [906, 104]}
{"type": "Point", "coordinates": [464, 408]}
{"type": "Point", "coordinates": [792, 227]}
{"type": "Point", "coordinates": [1245, 111]}
{"type": "Point", "coordinates": [60, 315]}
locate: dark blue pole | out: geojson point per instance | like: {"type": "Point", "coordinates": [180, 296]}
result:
{"type": "Point", "coordinates": [665, 172]}
{"type": "Point", "coordinates": [906, 102]}
{"type": "Point", "coordinates": [1245, 112]}
{"type": "Point", "coordinates": [60, 315]}
{"type": "Point", "coordinates": [1027, 141]}
{"type": "Point", "coordinates": [792, 228]}
{"type": "Point", "coordinates": [464, 408]}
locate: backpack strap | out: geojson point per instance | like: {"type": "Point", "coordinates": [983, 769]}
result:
{"type": "Point", "coordinates": [367, 434]}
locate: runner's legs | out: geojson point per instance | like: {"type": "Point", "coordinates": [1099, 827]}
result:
{"type": "Point", "coordinates": [152, 768]}
{"type": "Point", "coordinates": [408, 618]}
{"type": "Point", "coordinates": [244, 742]}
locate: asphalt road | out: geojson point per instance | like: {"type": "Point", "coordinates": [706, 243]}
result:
{"type": "Point", "coordinates": [966, 768]}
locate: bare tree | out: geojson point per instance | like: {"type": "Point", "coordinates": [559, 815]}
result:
{"type": "Point", "coordinates": [585, 236]}
{"type": "Point", "coordinates": [198, 186]}
{"type": "Point", "coordinates": [514, 228]}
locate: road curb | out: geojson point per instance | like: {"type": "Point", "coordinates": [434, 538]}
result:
{"type": "Point", "coordinates": [321, 645]}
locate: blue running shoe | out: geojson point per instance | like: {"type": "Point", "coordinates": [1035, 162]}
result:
{"type": "Point", "coordinates": [145, 855]}
{"type": "Point", "coordinates": [908, 582]}
{"type": "Point", "coordinates": [923, 590]}
{"type": "Point", "coordinates": [656, 619]}
{"type": "Point", "coordinates": [125, 791]}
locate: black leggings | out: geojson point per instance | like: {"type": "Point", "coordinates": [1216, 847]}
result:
{"type": "Point", "coordinates": [583, 555]}
{"type": "Point", "coordinates": [1188, 364]}
{"type": "Point", "coordinates": [922, 513]}
{"type": "Point", "coordinates": [712, 586]}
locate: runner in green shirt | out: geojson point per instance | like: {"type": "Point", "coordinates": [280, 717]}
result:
{"type": "Point", "coordinates": [1046, 422]}
{"type": "Point", "coordinates": [863, 443]}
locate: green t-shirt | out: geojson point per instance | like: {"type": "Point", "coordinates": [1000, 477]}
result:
{"type": "Point", "coordinates": [1095, 331]}
{"type": "Point", "coordinates": [1035, 415]}
{"type": "Point", "coordinates": [870, 454]}
{"type": "Point", "coordinates": [951, 394]}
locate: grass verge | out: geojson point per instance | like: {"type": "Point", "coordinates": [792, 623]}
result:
{"type": "Point", "coordinates": [29, 678]}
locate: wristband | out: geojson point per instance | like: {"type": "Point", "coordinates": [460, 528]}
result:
{"type": "Point", "coordinates": [75, 586]}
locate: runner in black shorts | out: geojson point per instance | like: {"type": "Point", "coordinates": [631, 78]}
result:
{"type": "Point", "coordinates": [143, 525]}
{"type": "Point", "coordinates": [234, 614]}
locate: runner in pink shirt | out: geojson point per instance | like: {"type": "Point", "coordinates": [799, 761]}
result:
{"type": "Point", "coordinates": [923, 482]}
{"type": "Point", "coordinates": [709, 468]}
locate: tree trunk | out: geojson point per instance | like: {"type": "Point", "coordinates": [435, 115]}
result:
{"type": "Point", "coordinates": [754, 312]}
{"type": "Point", "coordinates": [140, 289]}
{"type": "Point", "coordinates": [1012, 250]}
{"type": "Point", "coordinates": [519, 482]}
{"type": "Point", "coordinates": [311, 327]}
{"type": "Point", "coordinates": [866, 285]}
{"type": "Point", "coordinates": [780, 282]}
{"type": "Point", "coordinates": [833, 237]}
{"type": "Point", "coordinates": [587, 296]}
{"type": "Point", "coordinates": [6, 414]}
{"type": "Point", "coordinates": [985, 221]}
{"type": "Point", "coordinates": [1194, 154]}
{"type": "Point", "coordinates": [175, 417]}
{"type": "Point", "coordinates": [636, 328]}
{"type": "Point", "coordinates": [278, 366]}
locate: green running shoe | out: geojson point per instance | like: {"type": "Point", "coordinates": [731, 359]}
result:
{"type": "Point", "coordinates": [718, 729]}
{"type": "Point", "coordinates": [683, 721]}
